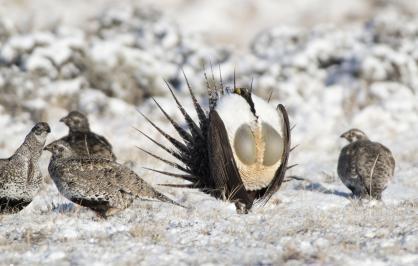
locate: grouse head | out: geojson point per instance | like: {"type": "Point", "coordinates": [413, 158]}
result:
{"type": "Point", "coordinates": [59, 149]}
{"type": "Point", "coordinates": [40, 131]}
{"type": "Point", "coordinates": [76, 122]}
{"type": "Point", "coordinates": [354, 134]}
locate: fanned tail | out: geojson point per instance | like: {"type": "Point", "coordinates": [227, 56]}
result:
{"type": "Point", "coordinates": [183, 133]}
{"type": "Point", "coordinates": [172, 164]}
{"type": "Point", "coordinates": [189, 178]}
{"type": "Point", "coordinates": [195, 130]}
{"type": "Point", "coordinates": [191, 149]}
{"type": "Point", "coordinates": [180, 146]}
{"type": "Point", "coordinates": [170, 151]}
{"type": "Point", "coordinates": [199, 110]}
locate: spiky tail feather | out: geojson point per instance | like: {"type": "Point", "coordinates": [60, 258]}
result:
{"type": "Point", "coordinates": [161, 197]}
{"type": "Point", "coordinates": [192, 150]}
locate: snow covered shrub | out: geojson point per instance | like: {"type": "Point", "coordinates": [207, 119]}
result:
{"type": "Point", "coordinates": [134, 50]}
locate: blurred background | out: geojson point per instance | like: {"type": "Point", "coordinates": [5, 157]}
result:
{"type": "Point", "coordinates": [229, 22]}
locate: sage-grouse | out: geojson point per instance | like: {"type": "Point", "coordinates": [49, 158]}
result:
{"type": "Point", "coordinates": [365, 167]}
{"type": "Point", "coordinates": [98, 183]}
{"type": "Point", "coordinates": [83, 141]}
{"type": "Point", "coordinates": [20, 176]}
{"type": "Point", "coordinates": [238, 151]}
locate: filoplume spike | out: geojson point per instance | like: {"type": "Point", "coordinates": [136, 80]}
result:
{"type": "Point", "coordinates": [240, 150]}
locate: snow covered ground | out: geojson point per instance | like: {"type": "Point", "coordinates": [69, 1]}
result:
{"type": "Point", "coordinates": [355, 71]}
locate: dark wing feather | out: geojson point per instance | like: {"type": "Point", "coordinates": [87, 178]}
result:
{"type": "Point", "coordinates": [279, 175]}
{"type": "Point", "coordinates": [373, 166]}
{"type": "Point", "coordinates": [103, 147]}
{"type": "Point", "coordinates": [86, 144]}
{"type": "Point", "coordinates": [224, 171]}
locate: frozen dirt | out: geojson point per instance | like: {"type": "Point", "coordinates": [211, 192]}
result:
{"type": "Point", "coordinates": [355, 71]}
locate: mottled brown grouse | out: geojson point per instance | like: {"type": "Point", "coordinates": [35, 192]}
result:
{"type": "Point", "coordinates": [365, 167]}
{"type": "Point", "coordinates": [20, 176]}
{"type": "Point", "coordinates": [83, 141]}
{"type": "Point", "coordinates": [97, 183]}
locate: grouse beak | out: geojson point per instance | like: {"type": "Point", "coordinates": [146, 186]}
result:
{"type": "Point", "coordinates": [48, 129]}
{"type": "Point", "coordinates": [344, 135]}
{"type": "Point", "coordinates": [48, 148]}
{"type": "Point", "coordinates": [64, 119]}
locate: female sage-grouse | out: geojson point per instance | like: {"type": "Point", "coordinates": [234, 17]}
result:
{"type": "Point", "coordinates": [83, 141]}
{"type": "Point", "coordinates": [20, 176]}
{"type": "Point", "coordinates": [100, 184]}
{"type": "Point", "coordinates": [365, 167]}
{"type": "Point", "coordinates": [237, 152]}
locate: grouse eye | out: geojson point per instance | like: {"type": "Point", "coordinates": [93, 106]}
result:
{"type": "Point", "coordinates": [244, 145]}
{"type": "Point", "coordinates": [273, 145]}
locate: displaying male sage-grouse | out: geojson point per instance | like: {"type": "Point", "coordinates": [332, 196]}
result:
{"type": "Point", "coordinates": [98, 183]}
{"type": "Point", "coordinates": [20, 176]}
{"type": "Point", "coordinates": [238, 151]}
{"type": "Point", "coordinates": [84, 142]}
{"type": "Point", "coordinates": [365, 167]}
